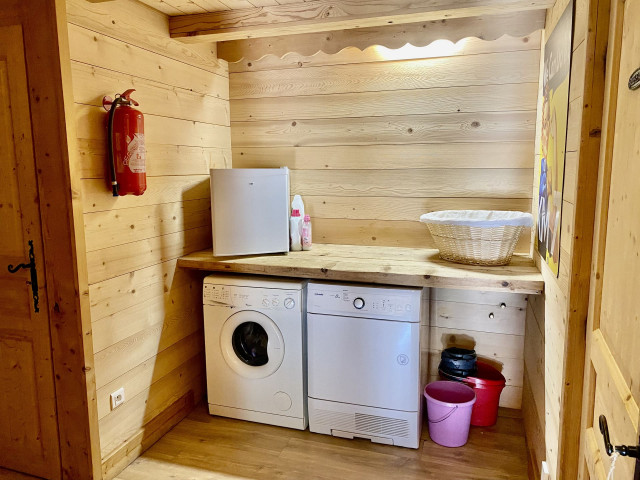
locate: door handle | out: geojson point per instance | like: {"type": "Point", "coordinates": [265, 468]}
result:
{"type": "Point", "coordinates": [634, 80]}
{"type": "Point", "coordinates": [34, 275]}
{"type": "Point", "coordinates": [624, 450]}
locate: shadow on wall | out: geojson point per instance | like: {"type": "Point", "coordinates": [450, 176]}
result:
{"type": "Point", "coordinates": [176, 372]}
{"type": "Point", "coordinates": [466, 341]}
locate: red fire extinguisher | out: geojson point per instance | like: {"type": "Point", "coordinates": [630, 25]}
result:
{"type": "Point", "coordinates": [125, 134]}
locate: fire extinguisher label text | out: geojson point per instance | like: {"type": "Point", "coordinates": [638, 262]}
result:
{"type": "Point", "coordinates": [136, 152]}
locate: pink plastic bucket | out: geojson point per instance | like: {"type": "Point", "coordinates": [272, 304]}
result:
{"type": "Point", "coordinates": [449, 406]}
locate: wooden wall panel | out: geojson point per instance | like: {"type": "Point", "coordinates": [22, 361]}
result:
{"type": "Point", "coordinates": [392, 74]}
{"type": "Point", "coordinates": [557, 319]}
{"type": "Point", "coordinates": [91, 123]}
{"type": "Point", "coordinates": [465, 99]}
{"type": "Point", "coordinates": [396, 129]}
{"type": "Point", "coordinates": [533, 429]}
{"type": "Point", "coordinates": [150, 66]}
{"type": "Point", "coordinates": [113, 227]}
{"type": "Point", "coordinates": [174, 160]}
{"type": "Point", "coordinates": [462, 319]}
{"type": "Point", "coordinates": [146, 315]}
{"type": "Point", "coordinates": [144, 407]}
{"type": "Point", "coordinates": [387, 157]}
{"type": "Point", "coordinates": [140, 26]}
{"type": "Point", "coordinates": [472, 182]}
{"type": "Point", "coordinates": [533, 402]}
{"type": "Point", "coordinates": [375, 138]}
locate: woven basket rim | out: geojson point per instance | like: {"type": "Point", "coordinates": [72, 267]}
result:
{"type": "Point", "coordinates": [478, 218]}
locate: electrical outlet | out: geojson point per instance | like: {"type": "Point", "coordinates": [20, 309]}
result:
{"type": "Point", "coordinates": [117, 398]}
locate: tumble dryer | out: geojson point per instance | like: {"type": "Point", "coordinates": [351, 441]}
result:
{"type": "Point", "coordinates": [364, 362]}
{"type": "Point", "coordinates": [255, 349]}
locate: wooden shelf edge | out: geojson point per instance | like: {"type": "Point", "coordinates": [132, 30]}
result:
{"type": "Point", "coordinates": [379, 265]}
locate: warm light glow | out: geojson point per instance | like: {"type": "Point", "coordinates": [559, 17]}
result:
{"type": "Point", "coordinates": [438, 48]}
{"type": "Point", "coordinates": [177, 470]}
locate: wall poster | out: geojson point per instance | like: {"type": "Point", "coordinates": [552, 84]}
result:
{"type": "Point", "coordinates": [555, 108]}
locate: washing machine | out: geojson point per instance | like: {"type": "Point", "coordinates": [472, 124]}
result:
{"type": "Point", "coordinates": [364, 362]}
{"type": "Point", "coordinates": [255, 339]}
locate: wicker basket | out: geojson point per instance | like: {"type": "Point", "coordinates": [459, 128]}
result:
{"type": "Point", "coordinates": [476, 237]}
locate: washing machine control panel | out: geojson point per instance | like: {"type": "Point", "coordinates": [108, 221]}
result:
{"type": "Point", "coordinates": [216, 293]}
{"type": "Point", "coordinates": [250, 298]}
{"type": "Point", "coordinates": [373, 302]}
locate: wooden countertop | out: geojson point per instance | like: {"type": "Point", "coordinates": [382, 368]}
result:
{"type": "Point", "coordinates": [416, 267]}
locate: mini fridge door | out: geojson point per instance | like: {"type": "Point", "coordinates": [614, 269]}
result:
{"type": "Point", "coordinates": [250, 211]}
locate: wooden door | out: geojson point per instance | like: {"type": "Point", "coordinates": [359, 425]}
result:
{"type": "Point", "coordinates": [612, 386]}
{"type": "Point", "coordinates": [28, 419]}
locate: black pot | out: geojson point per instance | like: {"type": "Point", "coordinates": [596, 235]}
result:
{"type": "Point", "coordinates": [458, 362]}
{"type": "Point", "coordinates": [459, 353]}
{"type": "Point", "coordinates": [457, 375]}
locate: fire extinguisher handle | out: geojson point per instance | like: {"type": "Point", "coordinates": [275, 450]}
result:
{"type": "Point", "coordinates": [127, 96]}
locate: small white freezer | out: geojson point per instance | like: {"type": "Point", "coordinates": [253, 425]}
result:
{"type": "Point", "coordinates": [250, 211]}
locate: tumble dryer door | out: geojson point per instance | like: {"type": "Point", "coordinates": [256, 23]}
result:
{"type": "Point", "coordinates": [364, 361]}
{"type": "Point", "coordinates": [251, 344]}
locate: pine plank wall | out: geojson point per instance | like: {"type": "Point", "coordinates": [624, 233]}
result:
{"type": "Point", "coordinates": [373, 139]}
{"type": "Point", "coordinates": [549, 412]}
{"type": "Point", "coordinates": [146, 315]}
{"type": "Point", "coordinates": [376, 138]}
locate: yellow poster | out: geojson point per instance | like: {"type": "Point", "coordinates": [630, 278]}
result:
{"type": "Point", "coordinates": [555, 107]}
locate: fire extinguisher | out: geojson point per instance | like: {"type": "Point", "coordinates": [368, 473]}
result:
{"type": "Point", "coordinates": [125, 134]}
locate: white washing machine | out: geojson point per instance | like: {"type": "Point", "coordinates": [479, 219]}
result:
{"type": "Point", "coordinates": [255, 339]}
{"type": "Point", "coordinates": [364, 362]}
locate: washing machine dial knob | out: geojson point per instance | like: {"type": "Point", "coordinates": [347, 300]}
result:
{"type": "Point", "coordinates": [266, 302]}
{"type": "Point", "coordinates": [358, 303]}
{"type": "Point", "coordinates": [289, 303]}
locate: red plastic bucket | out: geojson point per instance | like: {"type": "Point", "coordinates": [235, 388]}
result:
{"type": "Point", "coordinates": [488, 384]}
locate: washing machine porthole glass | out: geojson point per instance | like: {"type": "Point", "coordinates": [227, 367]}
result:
{"type": "Point", "coordinates": [249, 341]}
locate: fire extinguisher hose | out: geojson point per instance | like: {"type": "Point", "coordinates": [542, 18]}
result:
{"type": "Point", "coordinates": [112, 164]}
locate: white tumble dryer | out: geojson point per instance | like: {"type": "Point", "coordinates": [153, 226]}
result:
{"type": "Point", "coordinates": [364, 362]}
{"type": "Point", "coordinates": [255, 349]}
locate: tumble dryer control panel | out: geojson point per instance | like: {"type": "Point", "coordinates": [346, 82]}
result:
{"type": "Point", "coordinates": [251, 298]}
{"type": "Point", "coordinates": [388, 303]}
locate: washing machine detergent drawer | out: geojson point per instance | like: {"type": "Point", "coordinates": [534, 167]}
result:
{"type": "Point", "coordinates": [362, 361]}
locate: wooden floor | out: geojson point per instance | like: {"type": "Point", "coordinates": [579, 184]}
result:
{"type": "Point", "coordinates": [202, 447]}
{"type": "Point", "coordinates": [213, 448]}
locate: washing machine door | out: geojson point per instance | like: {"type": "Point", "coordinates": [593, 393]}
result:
{"type": "Point", "coordinates": [251, 344]}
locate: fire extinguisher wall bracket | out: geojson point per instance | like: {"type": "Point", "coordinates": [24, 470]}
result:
{"type": "Point", "coordinates": [107, 101]}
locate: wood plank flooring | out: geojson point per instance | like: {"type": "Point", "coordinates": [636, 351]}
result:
{"type": "Point", "coordinates": [202, 447]}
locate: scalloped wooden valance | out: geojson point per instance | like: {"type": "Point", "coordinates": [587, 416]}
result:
{"type": "Point", "coordinates": [490, 27]}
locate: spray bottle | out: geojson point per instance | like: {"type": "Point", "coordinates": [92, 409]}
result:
{"type": "Point", "coordinates": [306, 233]}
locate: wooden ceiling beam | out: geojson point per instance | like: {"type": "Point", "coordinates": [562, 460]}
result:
{"type": "Point", "coordinates": [322, 16]}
